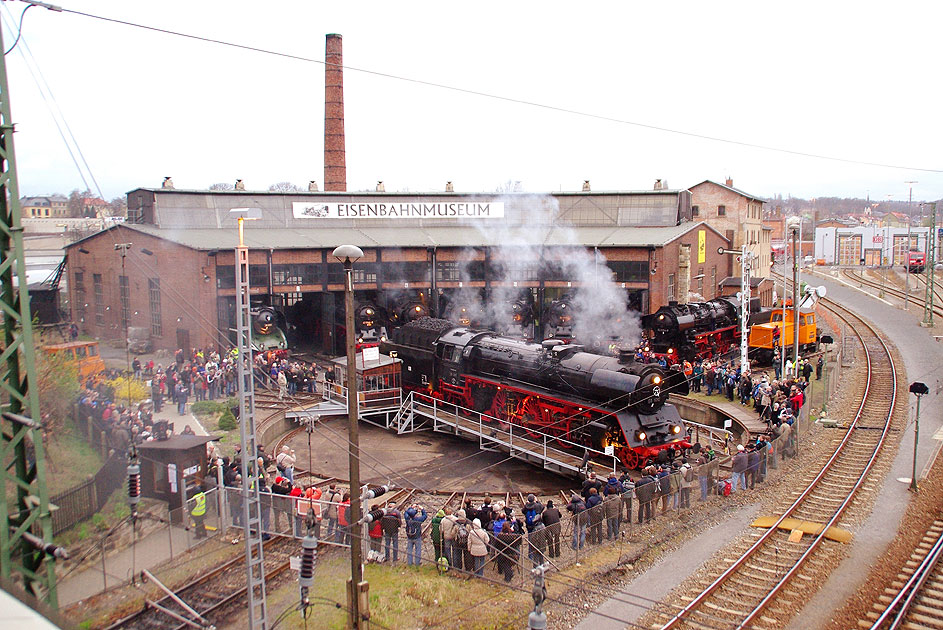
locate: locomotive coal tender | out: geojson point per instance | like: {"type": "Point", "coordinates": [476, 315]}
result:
{"type": "Point", "coordinates": [579, 398]}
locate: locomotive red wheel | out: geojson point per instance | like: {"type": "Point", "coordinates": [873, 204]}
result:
{"type": "Point", "coordinates": [630, 458]}
{"type": "Point", "coordinates": [498, 405]}
{"type": "Point", "coordinates": [528, 415]}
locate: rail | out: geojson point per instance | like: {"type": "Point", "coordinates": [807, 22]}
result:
{"type": "Point", "coordinates": [771, 531]}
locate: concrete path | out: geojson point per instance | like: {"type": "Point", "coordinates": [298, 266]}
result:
{"type": "Point", "coordinates": [148, 552]}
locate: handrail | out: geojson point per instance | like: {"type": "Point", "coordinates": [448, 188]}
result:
{"type": "Point", "coordinates": [542, 442]}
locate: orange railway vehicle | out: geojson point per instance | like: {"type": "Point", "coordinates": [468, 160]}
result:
{"type": "Point", "coordinates": [84, 353]}
{"type": "Point", "coordinates": [763, 337]}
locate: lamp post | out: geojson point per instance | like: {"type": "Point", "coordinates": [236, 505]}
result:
{"type": "Point", "coordinates": [910, 220]}
{"type": "Point", "coordinates": [828, 341]}
{"type": "Point", "coordinates": [918, 389]}
{"type": "Point", "coordinates": [349, 254]}
{"type": "Point", "coordinates": [123, 248]}
{"type": "Point", "coordinates": [251, 500]}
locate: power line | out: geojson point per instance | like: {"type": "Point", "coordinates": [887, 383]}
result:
{"type": "Point", "coordinates": [54, 109]}
{"type": "Point", "coordinates": [499, 97]}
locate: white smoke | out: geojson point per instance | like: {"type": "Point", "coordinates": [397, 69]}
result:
{"type": "Point", "coordinates": [600, 312]}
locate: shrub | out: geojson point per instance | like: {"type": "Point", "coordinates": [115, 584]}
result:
{"type": "Point", "coordinates": [227, 421]}
{"type": "Point", "coordinates": [139, 390]}
{"type": "Point", "coordinates": [206, 407]}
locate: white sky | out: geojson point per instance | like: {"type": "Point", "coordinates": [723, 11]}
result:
{"type": "Point", "coordinates": [850, 80]}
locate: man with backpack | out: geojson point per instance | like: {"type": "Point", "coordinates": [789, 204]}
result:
{"type": "Point", "coordinates": [460, 546]}
{"type": "Point", "coordinates": [532, 511]}
{"type": "Point", "coordinates": [687, 482]}
{"type": "Point", "coordinates": [415, 517]}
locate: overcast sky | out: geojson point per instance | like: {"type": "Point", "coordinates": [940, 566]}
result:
{"type": "Point", "coordinates": [858, 81]}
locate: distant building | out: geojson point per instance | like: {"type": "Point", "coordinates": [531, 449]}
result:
{"type": "Point", "coordinates": [867, 245]}
{"type": "Point", "coordinates": [737, 215]}
{"type": "Point", "coordinates": [49, 207]}
{"type": "Point", "coordinates": [895, 219]}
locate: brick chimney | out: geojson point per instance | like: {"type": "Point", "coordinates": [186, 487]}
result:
{"type": "Point", "coordinates": [729, 182]}
{"type": "Point", "coordinates": [335, 159]}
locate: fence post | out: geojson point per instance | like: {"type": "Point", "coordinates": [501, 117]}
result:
{"type": "Point", "coordinates": [104, 573]}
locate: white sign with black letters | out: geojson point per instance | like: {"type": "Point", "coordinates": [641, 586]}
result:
{"type": "Point", "coordinates": [399, 210]}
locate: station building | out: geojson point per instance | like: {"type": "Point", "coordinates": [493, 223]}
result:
{"type": "Point", "coordinates": [178, 276]}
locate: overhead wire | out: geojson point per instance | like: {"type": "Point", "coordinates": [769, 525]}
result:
{"type": "Point", "coordinates": [499, 97]}
{"type": "Point", "coordinates": [53, 106]}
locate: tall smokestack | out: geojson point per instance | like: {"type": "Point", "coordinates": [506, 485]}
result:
{"type": "Point", "coordinates": [335, 158]}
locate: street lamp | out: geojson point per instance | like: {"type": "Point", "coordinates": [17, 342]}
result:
{"type": "Point", "coordinates": [828, 341]}
{"type": "Point", "coordinates": [918, 389]}
{"type": "Point", "coordinates": [910, 221]}
{"type": "Point", "coordinates": [349, 254]}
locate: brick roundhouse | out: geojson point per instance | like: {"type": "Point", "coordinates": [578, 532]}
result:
{"type": "Point", "coordinates": [179, 279]}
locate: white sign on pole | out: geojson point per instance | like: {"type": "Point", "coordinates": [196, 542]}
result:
{"type": "Point", "coordinates": [609, 450]}
{"type": "Point", "coordinates": [398, 210]}
{"type": "Point", "coordinates": [172, 477]}
{"type": "Point", "coordinates": [371, 354]}
{"type": "Point", "coordinates": [294, 563]}
{"type": "Point", "coordinates": [728, 423]}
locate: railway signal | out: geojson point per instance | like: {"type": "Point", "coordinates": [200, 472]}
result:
{"type": "Point", "coordinates": [745, 258]}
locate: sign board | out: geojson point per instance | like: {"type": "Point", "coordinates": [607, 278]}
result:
{"type": "Point", "coordinates": [877, 238]}
{"type": "Point", "coordinates": [610, 450]}
{"type": "Point", "coordinates": [371, 354]}
{"type": "Point", "coordinates": [399, 210]}
{"type": "Point", "coordinates": [294, 563]}
{"type": "Point", "coordinates": [728, 423]}
{"type": "Point", "coordinates": [192, 470]}
{"type": "Point", "coordinates": [172, 477]}
{"type": "Point", "coordinates": [701, 246]}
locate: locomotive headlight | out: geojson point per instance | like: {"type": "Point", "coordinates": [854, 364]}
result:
{"type": "Point", "coordinates": [671, 350]}
{"type": "Point", "coordinates": [418, 309]}
{"type": "Point", "coordinates": [656, 379]}
{"type": "Point", "coordinates": [675, 429]}
{"type": "Point", "coordinates": [640, 436]}
{"type": "Point", "coordinates": [383, 338]}
{"type": "Point", "coordinates": [660, 317]}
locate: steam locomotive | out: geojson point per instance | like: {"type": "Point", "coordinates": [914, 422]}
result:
{"type": "Point", "coordinates": [552, 388]}
{"type": "Point", "coordinates": [370, 322]}
{"type": "Point", "coordinates": [699, 329]}
{"type": "Point", "coordinates": [266, 333]}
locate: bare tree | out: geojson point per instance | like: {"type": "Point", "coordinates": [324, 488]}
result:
{"type": "Point", "coordinates": [76, 204]}
{"type": "Point", "coordinates": [284, 187]}
{"type": "Point", "coordinates": [511, 185]}
{"type": "Point", "coordinates": [118, 207]}
{"type": "Point", "coordinates": [222, 186]}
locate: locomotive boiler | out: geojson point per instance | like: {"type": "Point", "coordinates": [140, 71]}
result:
{"type": "Point", "coordinates": [698, 329]}
{"type": "Point", "coordinates": [579, 398]}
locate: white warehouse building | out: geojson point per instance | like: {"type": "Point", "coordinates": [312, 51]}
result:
{"type": "Point", "coordinates": [867, 245]}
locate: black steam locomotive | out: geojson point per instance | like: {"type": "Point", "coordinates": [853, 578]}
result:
{"type": "Point", "coordinates": [699, 329]}
{"type": "Point", "coordinates": [550, 388]}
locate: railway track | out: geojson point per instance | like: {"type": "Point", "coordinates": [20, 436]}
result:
{"type": "Point", "coordinates": [915, 599]}
{"type": "Point", "coordinates": [771, 575]}
{"type": "Point", "coordinates": [209, 593]}
{"type": "Point", "coordinates": [916, 297]}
